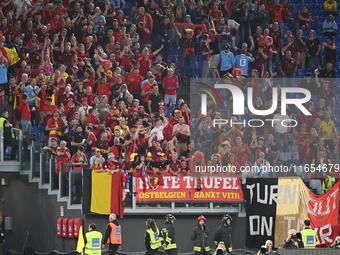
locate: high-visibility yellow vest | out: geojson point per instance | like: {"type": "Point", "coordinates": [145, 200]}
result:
{"type": "Point", "coordinates": [308, 238]}
{"type": "Point", "coordinates": [155, 240]}
{"type": "Point", "coordinates": [199, 249]}
{"type": "Point", "coordinates": [170, 245]}
{"type": "Point", "coordinates": [93, 243]}
{"type": "Point", "coordinates": [331, 182]}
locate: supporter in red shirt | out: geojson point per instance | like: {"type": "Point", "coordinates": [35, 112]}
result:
{"type": "Point", "coordinates": [111, 117]}
{"type": "Point", "coordinates": [144, 60]}
{"type": "Point", "coordinates": [305, 17]}
{"type": "Point", "coordinates": [170, 84]}
{"type": "Point", "coordinates": [145, 18]}
{"type": "Point", "coordinates": [291, 46]}
{"type": "Point", "coordinates": [93, 121]}
{"type": "Point", "coordinates": [103, 87]}
{"type": "Point", "coordinates": [134, 81]}
{"type": "Point", "coordinates": [277, 10]}
{"type": "Point", "coordinates": [25, 115]}
{"type": "Point", "coordinates": [241, 151]}
{"type": "Point", "coordinates": [53, 126]}
{"type": "Point", "coordinates": [146, 89]}
{"type": "Point", "coordinates": [288, 65]}
{"type": "Point", "coordinates": [91, 137]}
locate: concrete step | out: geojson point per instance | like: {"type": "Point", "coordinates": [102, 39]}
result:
{"type": "Point", "coordinates": [10, 166]}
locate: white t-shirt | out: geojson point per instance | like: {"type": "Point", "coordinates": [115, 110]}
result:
{"type": "Point", "coordinates": [279, 128]}
{"type": "Point", "coordinates": [159, 132]}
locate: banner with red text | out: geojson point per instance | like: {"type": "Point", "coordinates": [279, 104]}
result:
{"type": "Point", "coordinates": [184, 188]}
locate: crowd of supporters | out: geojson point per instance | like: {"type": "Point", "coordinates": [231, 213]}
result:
{"type": "Point", "coordinates": [98, 82]}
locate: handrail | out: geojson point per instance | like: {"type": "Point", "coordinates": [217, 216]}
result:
{"type": "Point", "coordinates": [19, 138]}
{"type": "Point", "coordinates": [2, 146]}
{"type": "Point", "coordinates": [134, 206]}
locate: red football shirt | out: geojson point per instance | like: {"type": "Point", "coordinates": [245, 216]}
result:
{"type": "Point", "coordinates": [170, 83]}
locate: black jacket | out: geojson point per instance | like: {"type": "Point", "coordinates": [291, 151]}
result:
{"type": "Point", "coordinates": [200, 236]}
{"type": "Point", "coordinates": [170, 229]}
{"type": "Point", "coordinates": [2, 232]}
{"type": "Point", "coordinates": [290, 244]}
{"type": "Point", "coordinates": [108, 232]}
{"type": "Point", "coordinates": [223, 233]}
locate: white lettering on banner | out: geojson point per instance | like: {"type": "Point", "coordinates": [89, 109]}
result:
{"type": "Point", "coordinates": [259, 199]}
{"type": "Point", "coordinates": [251, 187]}
{"type": "Point", "coordinates": [315, 208]}
{"type": "Point", "coordinates": [290, 195]}
{"type": "Point", "coordinates": [289, 220]}
{"type": "Point", "coordinates": [141, 181]}
{"type": "Point", "coordinates": [274, 195]}
{"type": "Point", "coordinates": [165, 180]}
{"type": "Point", "coordinates": [291, 223]}
{"type": "Point", "coordinates": [261, 226]}
{"type": "Point", "coordinates": [327, 211]}
{"type": "Point", "coordinates": [309, 208]}
{"type": "Point", "coordinates": [175, 184]}
{"type": "Point", "coordinates": [273, 190]}
{"type": "Point", "coordinates": [230, 183]}
{"type": "Point", "coordinates": [333, 195]}
{"type": "Point", "coordinates": [324, 236]}
{"type": "Point", "coordinates": [210, 185]}
{"type": "Point", "coordinates": [217, 182]}
{"type": "Point", "coordinates": [188, 180]}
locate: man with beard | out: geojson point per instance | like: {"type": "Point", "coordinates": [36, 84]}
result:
{"type": "Point", "coordinates": [103, 144]}
{"type": "Point", "coordinates": [77, 140]}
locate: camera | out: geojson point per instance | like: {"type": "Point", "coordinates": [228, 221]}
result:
{"type": "Point", "coordinates": [264, 249]}
{"type": "Point", "coordinates": [219, 251]}
{"type": "Point", "coordinates": [338, 242]}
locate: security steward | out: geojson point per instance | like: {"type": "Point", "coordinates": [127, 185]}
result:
{"type": "Point", "coordinates": [200, 236]}
{"type": "Point", "coordinates": [113, 235]}
{"type": "Point", "coordinates": [224, 232]}
{"type": "Point", "coordinates": [93, 240]}
{"type": "Point", "coordinates": [153, 240]}
{"type": "Point", "coordinates": [328, 183]}
{"type": "Point", "coordinates": [168, 235]}
{"type": "Point", "coordinates": [308, 235]}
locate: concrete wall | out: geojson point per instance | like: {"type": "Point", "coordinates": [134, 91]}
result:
{"type": "Point", "coordinates": [34, 211]}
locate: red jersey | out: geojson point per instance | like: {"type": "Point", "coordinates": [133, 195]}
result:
{"type": "Point", "coordinates": [25, 111]}
{"type": "Point", "coordinates": [134, 82]}
{"type": "Point", "coordinates": [170, 83]}
{"type": "Point", "coordinates": [103, 89]}
{"type": "Point", "coordinates": [52, 123]}
{"type": "Point", "coordinates": [144, 64]}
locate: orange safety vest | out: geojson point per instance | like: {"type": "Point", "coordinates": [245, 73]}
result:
{"type": "Point", "coordinates": [116, 234]}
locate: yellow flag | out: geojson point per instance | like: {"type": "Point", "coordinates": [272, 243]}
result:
{"type": "Point", "coordinates": [13, 55]}
{"type": "Point", "coordinates": [81, 243]}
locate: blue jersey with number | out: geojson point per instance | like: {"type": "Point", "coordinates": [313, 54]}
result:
{"type": "Point", "coordinates": [242, 61]}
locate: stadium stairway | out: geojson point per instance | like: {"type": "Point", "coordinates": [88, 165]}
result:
{"type": "Point", "coordinates": [38, 170]}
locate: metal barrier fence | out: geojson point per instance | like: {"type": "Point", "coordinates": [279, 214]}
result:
{"type": "Point", "coordinates": [18, 141]}
{"type": "Point", "coordinates": [75, 187]}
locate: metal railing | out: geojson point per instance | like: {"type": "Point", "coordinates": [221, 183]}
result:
{"type": "Point", "coordinates": [41, 166]}
{"type": "Point", "coordinates": [18, 140]}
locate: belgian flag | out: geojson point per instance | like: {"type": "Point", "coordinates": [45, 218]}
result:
{"type": "Point", "coordinates": [103, 192]}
